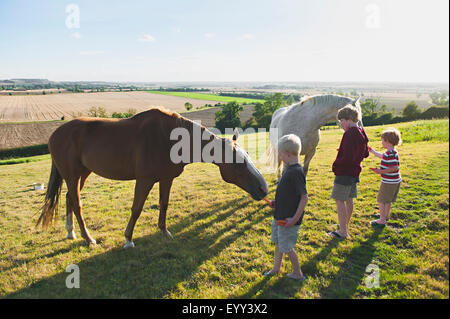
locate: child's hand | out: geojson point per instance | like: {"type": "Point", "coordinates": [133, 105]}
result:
{"type": "Point", "coordinates": [376, 170]}
{"type": "Point", "coordinates": [290, 223]}
{"type": "Point", "coordinates": [370, 149]}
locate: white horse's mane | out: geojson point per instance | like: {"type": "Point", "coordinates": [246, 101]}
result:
{"type": "Point", "coordinates": [322, 99]}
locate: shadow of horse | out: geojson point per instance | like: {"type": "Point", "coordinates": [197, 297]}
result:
{"type": "Point", "coordinates": [155, 267]}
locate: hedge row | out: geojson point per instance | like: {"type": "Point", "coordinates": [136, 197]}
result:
{"type": "Point", "coordinates": [26, 151]}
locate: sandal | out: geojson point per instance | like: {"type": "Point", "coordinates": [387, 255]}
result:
{"type": "Point", "coordinates": [374, 223]}
{"type": "Point", "coordinates": [269, 274]}
{"type": "Point", "coordinates": [296, 279]}
{"type": "Point", "coordinates": [335, 234]}
{"type": "Point", "coordinates": [375, 215]}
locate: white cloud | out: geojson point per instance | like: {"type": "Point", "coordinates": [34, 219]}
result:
{"type": "Point", "coordinates": [147, 38]}
{"type": "Point", "coordinates": [92, 52]}
{"type": "Point", "coordinates": [247, 36]}
{"type": "Point", "coordinates": [210, 35]}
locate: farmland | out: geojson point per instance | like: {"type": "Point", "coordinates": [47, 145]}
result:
{"type": "Point", "coordinates": [221, 242]}
{"type": "Point", "coordinates": [206, 96]}
{"type": "Point", "coordinates": [21, 108]}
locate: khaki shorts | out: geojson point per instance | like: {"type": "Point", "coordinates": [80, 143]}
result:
{"type": "Point", "coordinates": [344, 192]}
{"type": "Point", "coordinates": [286, 238]}
{"type": "Point", "coordinates": [388, 193]}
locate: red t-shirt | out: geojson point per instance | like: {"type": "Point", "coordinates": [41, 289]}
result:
{"type": "Point", "coordinates": [352, 151]}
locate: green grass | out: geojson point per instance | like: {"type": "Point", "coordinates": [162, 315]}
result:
{"type": "Point", "coordinates": [24, 160]}
{"type": "Point", "coordinates": [221, 242]}
{"type": "Point", "coordinates": [207, 97]}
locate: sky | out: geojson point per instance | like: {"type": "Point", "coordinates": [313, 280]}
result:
{"type": "Point", "coordinates": [233, 40]}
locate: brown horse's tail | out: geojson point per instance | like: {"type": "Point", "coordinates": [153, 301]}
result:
{"type": "Point", "coordinates": [50, 208]}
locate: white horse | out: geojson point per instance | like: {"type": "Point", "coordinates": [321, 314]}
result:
{"type": "Point", "coordinates": [305, 119]}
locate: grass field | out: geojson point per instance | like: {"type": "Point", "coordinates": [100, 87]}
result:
{"type": "Point", "coordinates": [206, 96]}
{"type": "Point", "coordinates": [221, 242]}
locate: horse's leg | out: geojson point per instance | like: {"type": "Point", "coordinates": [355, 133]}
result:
{"type": "Point", "coordinates": [141, 191]}
{"type": "Point", "coordinates": [164, 192]}
{"type": "Point", "coordinates": [69, 219]}
{"type": "Point", "coordinates": [308, 158]}
{"type": "Point", "coordinates": [73, 186]}
{"type": "Point", "coordinates": [69, 210]}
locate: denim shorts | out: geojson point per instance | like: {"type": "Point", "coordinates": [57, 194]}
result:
{"type": "Point", "coordinates": [286, 238]}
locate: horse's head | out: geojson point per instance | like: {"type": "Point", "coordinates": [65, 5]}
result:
{"type": "Point", "coordinates": [242, 172]}
{"type": "Point", "coordinates": [356, 103]}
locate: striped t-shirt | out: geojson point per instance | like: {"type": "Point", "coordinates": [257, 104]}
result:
{"type": "Point", "coordinates": [390, 158]}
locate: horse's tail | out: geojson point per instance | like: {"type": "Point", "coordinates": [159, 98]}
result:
{"type": "Point", "coordinates": [50, 208]}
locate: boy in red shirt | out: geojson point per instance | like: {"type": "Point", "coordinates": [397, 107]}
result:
{"type": "Point", "coordinates": [347, 167]}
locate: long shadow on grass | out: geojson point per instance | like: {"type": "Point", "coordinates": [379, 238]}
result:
{"type": "Point", "coordinates": [343, 285]}
{"type": "Point", "coordinates": [156, 266]}
{"type": "Point", "coordinates": [352, 270]}
{"type": "Point", "coordinates": [284, 287]}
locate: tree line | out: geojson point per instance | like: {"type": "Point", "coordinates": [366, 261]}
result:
{"type": "Point", "coordinates": [373, 113]}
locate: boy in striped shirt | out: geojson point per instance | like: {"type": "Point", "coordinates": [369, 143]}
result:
{"type": "Point", "coordinates": [390, 174]}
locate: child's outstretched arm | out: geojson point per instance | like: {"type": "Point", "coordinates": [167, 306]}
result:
{"type": "Point", "coordinates": [371, 150]}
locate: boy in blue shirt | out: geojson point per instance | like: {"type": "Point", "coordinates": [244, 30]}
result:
{"type": "Point", "coordinates": [290, 201]}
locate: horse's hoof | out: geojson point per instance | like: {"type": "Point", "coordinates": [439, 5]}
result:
{"type": "Point", "coordinates": [71, 235]}
{"type": "Point", "coordinates": [91, 242]}
{"type": "Point", "coordinates": [167, 234]}
{"type": "Point", "coordinates": [129, 244]}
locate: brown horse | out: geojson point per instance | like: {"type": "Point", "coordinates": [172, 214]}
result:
{"type": "Point", "coordinates": [139, 148]}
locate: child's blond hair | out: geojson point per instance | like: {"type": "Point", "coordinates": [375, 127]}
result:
{"type": "Point", "coordinates": [291, 144]}
{"type": "Point", "coordinates": [349, 112]}
{"type": "Point", "coordinates": [392, 135]}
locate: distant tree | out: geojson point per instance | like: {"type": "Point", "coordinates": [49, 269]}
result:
{"type": "Point", "coordinates": [290, 100]}
{"type": "Point", "coordinates": [97, 112]}
{"type": "Point", "coordinates": [131, 112]}
{"type": "Point", "coordinates": [440, 98]}
{"type": "Point", "coordinates": [263, 111]}
{"type": "Point", "coordinates": [435, 112]}
{"type": "Point", "coordinates": [411, 111]}
{"type": "Point", "coordinates": [228, 116]}
{"type": "Point", "coordinates": [188, 106]}
{"type": "Point", "coordinates": [369, 106]}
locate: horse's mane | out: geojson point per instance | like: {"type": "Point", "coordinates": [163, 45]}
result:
{"type": "Point", "coordinates": [321, 99]}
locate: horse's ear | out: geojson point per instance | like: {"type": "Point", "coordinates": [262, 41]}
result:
{"type": "Point", "coordinates": [236, 134]}
{"type": "Point", "coordinates": [357, 101]}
